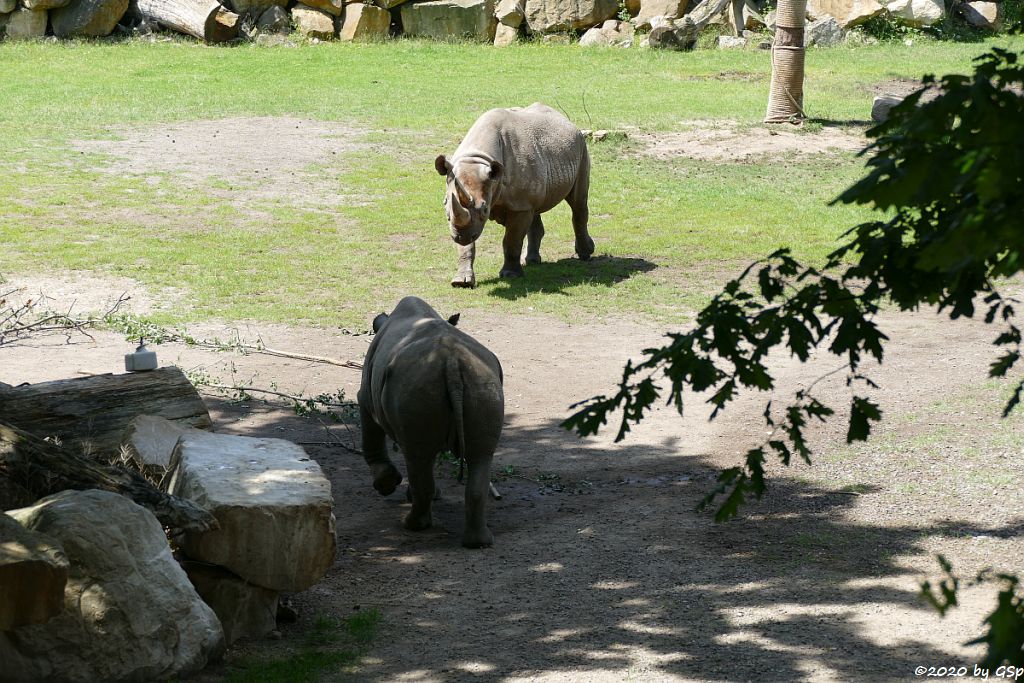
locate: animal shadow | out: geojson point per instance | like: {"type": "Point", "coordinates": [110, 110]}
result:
{"type": "Point", "coordinates": [554, 277]}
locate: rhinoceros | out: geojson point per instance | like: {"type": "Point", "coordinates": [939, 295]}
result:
{"type": "Point", "coordinates": [512, 166]}
{"type": "Point", "coordinates": [431, 388]}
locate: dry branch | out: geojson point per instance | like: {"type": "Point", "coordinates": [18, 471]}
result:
{"type": "Point", "coordinates": [44, 468]}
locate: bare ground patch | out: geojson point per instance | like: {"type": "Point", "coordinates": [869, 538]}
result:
{"type": "Point", "coordinates": [708, 141]}
{"type": "Point", "coordinates": [601, 570]}
{"type": "Point", "coordinates": [243, 159]}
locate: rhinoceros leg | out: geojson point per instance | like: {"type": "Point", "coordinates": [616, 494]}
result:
{"type": "Point", "coordinates": [477, 535]}
{"type": "Point", "coordinates": [420, 466]}
{"type": "Point", "coordinates": [386, 476]}
{"type": "Point", "coordinates": [533, 239]}
{"type": "Point", "coordinates": [577, 201]}
{"type": "Point", "coordinates": [516, 226]}
{"type": "Point", "coordinates": [465, 277]}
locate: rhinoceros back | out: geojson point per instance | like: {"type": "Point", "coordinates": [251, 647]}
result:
{"type": "Point", "coordinates": [542, 152]}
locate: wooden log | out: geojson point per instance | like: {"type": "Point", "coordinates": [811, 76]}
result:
{"type": "Point", "coordinates": [44, 468]}
{"type": "Point", "coordinates": [205, 19]}
{"type": "Point", "coordinates": [90, 414]}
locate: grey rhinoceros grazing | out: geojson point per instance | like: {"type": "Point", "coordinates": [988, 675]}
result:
{"type": "Point", "coordinates": [431, 388]}
{"type": "Point", "coordinates": [513, 165]}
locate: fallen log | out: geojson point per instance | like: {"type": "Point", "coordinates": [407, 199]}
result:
{"type": "Point", "coordinates": [90, 414]}
{"type": "Point", "coordinates": [44, 468]}
{"type": "Point", "coordinates": [205, 19]}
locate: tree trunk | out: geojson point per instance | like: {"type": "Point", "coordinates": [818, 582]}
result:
{"type": "Point", "coordinates": [90, 414]}
{"type": "Point", "coordinates": [786, 97]}
{"type": "Point", "coordinates": [204, 19]}
{"type": "Point", "coordinates": [45, 468]}
{"type": "Point", "coordinates": [694, 21]}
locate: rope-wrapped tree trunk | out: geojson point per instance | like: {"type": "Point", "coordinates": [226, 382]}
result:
{"type": "Point", "coordinates": [786, 97]}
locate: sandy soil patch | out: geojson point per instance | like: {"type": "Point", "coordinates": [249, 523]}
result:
{"type": "Point", "coordinates": [249, 158]}
{"type": "Point", "coordinates": [709, 141]}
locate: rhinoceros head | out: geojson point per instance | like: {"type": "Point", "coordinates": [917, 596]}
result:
{"type": "Point", "coordinates": [471, 185]}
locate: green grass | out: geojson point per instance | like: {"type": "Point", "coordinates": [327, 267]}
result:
{"type": "Point", "coordinates": [319, 656]}
{"type": "Point", "coordinates": [667, 232]}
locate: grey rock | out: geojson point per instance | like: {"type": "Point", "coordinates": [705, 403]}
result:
{"type": "Point", "coordinates": [25, 24]}
{"type": "Point", "coordinates": [917, 13]}
{"type": "Point", "coordinates": [552, 16]}
{"type": "Point", "coordinates": [825, 32]}
{"type": "Point", "coordinates": [987, 15]}
{"type": "Point", "coordinates": [6, 7]}
{"type": "Point", "coordinates": [731, 42]}
{"type": "Point", "coordinates": [149, 441]}
{"type": "Point", "coordinates": [130, 612]}
{"type": "Point", "coordinates": [847, 12]}
{"type": "Point", "coordinates": [671, 9]}
{"type": "Point", "coordinates": [881, 106]}
{"type": "Point", "coordinates": [87, 18]}
{"type": "Point", "coordinates": [665, 38]}
{"type": "Point", "coordinates": [244, 610]}
{"type": "Point", "coordinates": [442, 19]}
{"type": "Point", "coordinates": [41, 4]}
{"type": "Point", "coordinates": [332, 7]}
{"type": "Point", "coordinates": [611, 33]}
{"type": "Point", "coordinates": [256, 8]}
{"type": "Point", "coordinates": [509, 12]}
{"type": "Point", "coordinates": [272, 502]}
{"type": "Point", "coordinates": [274, 20]}
{"type": "Point", "coordinates": [33, 573]}
{"type": "Point", "coordinates": [505, 35]}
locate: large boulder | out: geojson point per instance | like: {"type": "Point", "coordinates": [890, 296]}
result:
{"type": "Point", "coordinates": [6, 7]}
{"type": "Point", "coordinates": [551, 16]}
{"type": "Point", "coordinates": [505, 35]}
{"type": "Point", "coordinates": [130, 612]}
{"type": "Point", "coordinates": [272, 502]}
{"type": "Point", "coordinates": [87, 18]}
{"type": "Point", "coordinates": [41, 4]}
{"type": "Point", "coordinates": [254, 8]}
{"type": "Point", "coordinates": [611, 33]}
{"type": "Point", "coordinates": [275, 20]}
{"type": "Point", "coordinates": [25, 24]}
{"type": "Point", "coordinates": [33, 573]}
{"type": "Point", "coordinates": [149, 441]}
{"type": "Point", "coordinates": [673, 9]}
{"type": "Point", "coordinates": [244, 610]}
{"type": "Point", "coordinates": [509, 12]}
{"type": "Point", "coordinates": [824, 32]}
{"type": "Point", "coordinates": [987, 15]}
{"type": "Point", "coordinates": [441, 19]}
{"type": "Point", "coordinates": [313, 23]}
{"type": "Point", "coordinates": [365, 23]}
{"type": "Point", "coordinates": [332, 7]}
{"type": "Point", "coordinates": [847, 12]}
{"type": "Point", "coordinates": [917, 13]}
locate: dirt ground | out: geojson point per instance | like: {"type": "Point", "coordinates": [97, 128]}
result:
{"type": "Point", "coordinates": [601, 569]}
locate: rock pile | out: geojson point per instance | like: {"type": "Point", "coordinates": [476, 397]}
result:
{"type": "Point", "coordinates": [501, 22]}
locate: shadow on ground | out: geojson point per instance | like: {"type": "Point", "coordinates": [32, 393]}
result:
{"type": "Point", "coordinates": [558, 276]}
{"type": "Point", "coordinates": [602, 570]}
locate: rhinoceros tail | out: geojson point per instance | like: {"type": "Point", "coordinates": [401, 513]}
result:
{"type": "Point", "coordinates": [453, 380]}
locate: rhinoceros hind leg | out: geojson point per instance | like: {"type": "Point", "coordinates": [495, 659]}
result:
{"type": "Point", "coordinates": [464, 280]}
{"type": "Point", "coordinates": [533, 238]}
{"type": "Point", "coordinates": [476, 534]}
{"type": "Point", "coordinates": [578, 202]}
{"type": "Point", "coordinates": [421, 485]}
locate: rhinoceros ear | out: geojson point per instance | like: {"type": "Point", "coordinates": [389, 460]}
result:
{"type": "Point", "coordinates": [379, 321]}
{"type": "Point", "coordinates": [496, 170]}
{"type": "Point", "coordinates": [442, 165]}
{"type": "Point", "coordinates": [453, 320]}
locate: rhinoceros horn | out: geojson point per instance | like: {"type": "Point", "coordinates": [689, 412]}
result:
{"type": "Point", "coordinates": [460, 215]}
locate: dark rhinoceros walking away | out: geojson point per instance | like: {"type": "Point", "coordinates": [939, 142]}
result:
{"type": "Point", "coordinates": [513, 165]}
{"type": "Point", "coordinates": [431, 388]}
